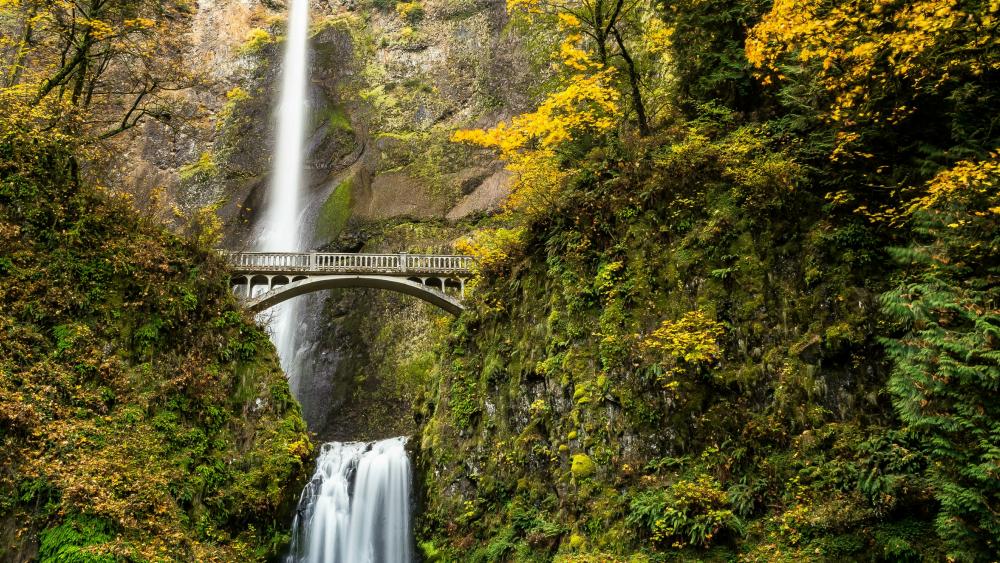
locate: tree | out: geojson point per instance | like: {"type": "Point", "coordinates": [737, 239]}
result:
{"type": "Point", "coordinates": [901, 89]}
{"type": "Point", "coordinates": [535, 144]}
{"type": "Point", "coordinates": [608, 26]}
{"type": "Point", "coordinates": [91, 69]}
{"type": "Point", "coordinates": [707, 47]}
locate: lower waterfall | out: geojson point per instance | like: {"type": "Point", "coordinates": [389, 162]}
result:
{"type": "Point", "coordinates": [356, 507]}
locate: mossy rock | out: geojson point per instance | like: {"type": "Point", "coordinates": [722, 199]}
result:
{"type": "Point", "coordinates": [336, 210]}
{"type": "Point", "coordinates": [582, 466]}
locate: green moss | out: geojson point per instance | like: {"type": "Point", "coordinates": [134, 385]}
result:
{"type": "Point", "coordinates": [335, 211]}
{"type": "Point", "coordinates": [582, 466]}
{"type": "Point", "coordinates": [200, 170]}
{"type": "Point", "coordinates": [340, 23]}
{"type": "Point", "coordinates": [338, 120]}
{"type": "Point", "coordinates": [566, 323]}
{"type": "Point", "coordinates": [431, 553]}
{"type": "Point", "coordinates": [255, 42]}
{"type": "Point", "coordinates": [411, 12]}
{"type": "Point", "coordinates": [234, 99]}
{"type": "Point", "coordinates": [463, 402]}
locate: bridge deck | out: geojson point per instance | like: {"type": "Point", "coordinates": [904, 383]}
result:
{"type": "Point", "coordinates": [316, 263]}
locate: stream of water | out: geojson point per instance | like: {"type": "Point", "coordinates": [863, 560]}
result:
{"type": "Point", "coordinates": [281, 230]}
{"type": "Point", "coordinates": [356, 507]}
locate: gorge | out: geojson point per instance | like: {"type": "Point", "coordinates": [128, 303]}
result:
{"type": "Point", "coordinates": [732, 289]}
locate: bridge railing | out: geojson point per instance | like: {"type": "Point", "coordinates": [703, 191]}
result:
{"type": "Point", "coordinates": [346, 262]}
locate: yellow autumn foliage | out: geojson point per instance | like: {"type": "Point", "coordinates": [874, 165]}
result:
{"type": "Point", "coordinates": [973, 185]}
{"type": "Point", "coordinates": [530, 143]}
{"type": "Point", "coordinates": [84, 76]}
{"type": "Point", "coordinates": [533, 145]}
{"type": "Point", "coordinates": [492, 248]}
{"type": "Point", "coordinates": [873, 58]}
{"type": "Point", "coordinates": [691, 340]}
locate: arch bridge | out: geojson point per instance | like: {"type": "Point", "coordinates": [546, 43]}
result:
{"type": "Point", "coordinates": [264, 279]}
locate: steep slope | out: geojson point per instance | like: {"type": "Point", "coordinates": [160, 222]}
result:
{"type": "Point", "coordinates": [761, 325]}
{"type": "Point", "coordinates": [143, 415]}
{"type": "Point", "coordinates": [687, 361]}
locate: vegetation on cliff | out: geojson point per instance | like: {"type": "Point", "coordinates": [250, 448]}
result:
{"type": "Point", "coordinates": [143, 414]}
{"type": "Point", "coordinates": [758, 322]}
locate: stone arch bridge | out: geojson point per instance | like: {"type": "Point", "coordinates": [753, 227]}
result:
{"type": "Point", "coordinates": [264, 279]}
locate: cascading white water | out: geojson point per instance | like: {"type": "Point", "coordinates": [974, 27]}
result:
{"type": "Point", "coordinates": [356, 508]}
{"type": "Point", "coordinates": [281, 229]}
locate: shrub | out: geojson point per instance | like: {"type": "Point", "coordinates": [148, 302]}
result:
{"type": "Point", "coordinates": [412, 12]}
{"type": "Point", "coordinates": [256, 40]}
{"type": "Point", "coordinates": [946, 371]}
{"type": "Point", "coordinates": [690, 512]}
{"type": "Point", "coordinates": [582, 466]}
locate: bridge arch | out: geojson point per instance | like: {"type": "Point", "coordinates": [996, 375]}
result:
{"type": "Point", "coordinates": [310, 284]}
{"type": "Point", "coordinates": [258, 280]}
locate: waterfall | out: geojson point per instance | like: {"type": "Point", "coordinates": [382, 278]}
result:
{"type": "Point", "coordinates": [281, 230]}
{"type": "Point", "coordinates": [356, 507]}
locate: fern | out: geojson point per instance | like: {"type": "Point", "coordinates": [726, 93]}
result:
{"type": "Point", "coordinates": [69, 542]}
{"type": "Point", "coordinates": [946, 368]}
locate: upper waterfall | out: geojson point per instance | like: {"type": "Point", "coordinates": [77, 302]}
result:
{"type": "Point", "coordinates": [281, 230]}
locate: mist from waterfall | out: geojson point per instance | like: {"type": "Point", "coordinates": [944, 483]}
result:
{"type": "Point", "coordinates": [356, 507]}
{"type": "Point", "coordinates": [281, 229]}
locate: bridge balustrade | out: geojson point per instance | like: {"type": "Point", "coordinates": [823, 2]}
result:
{"type": "Point", "coordinates": [344, 262]}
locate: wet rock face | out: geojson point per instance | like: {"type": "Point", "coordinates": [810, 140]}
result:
{"type": "Point", "coordinates": [378, 79]}
{"type": "Point", "coordinates": [151, 165]}
{"type": "Point", "coordinates": [331, 346]}
{"type": "Point", "coordinates": [386, 92]}
{"type": "Point", "coordinates": [345, 393]}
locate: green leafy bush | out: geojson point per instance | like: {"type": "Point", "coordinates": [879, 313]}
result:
{"type": "Point", "coordinates": [688, 512]}
{"type": "Point", "coordinates": [68, 542]}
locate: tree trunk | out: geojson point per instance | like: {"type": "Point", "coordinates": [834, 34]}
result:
{"type": "Point", "coordinates": [600, 35]}
{"type": "Point", "coordinates": [17, 66]}
{"type": "Point", "coordinates": [633, 79]}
